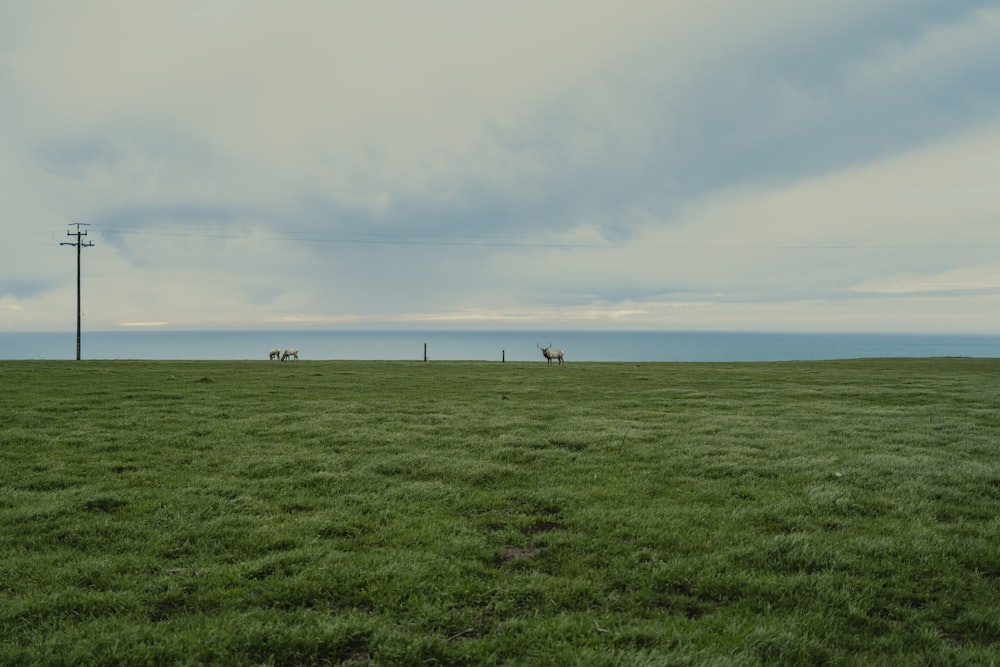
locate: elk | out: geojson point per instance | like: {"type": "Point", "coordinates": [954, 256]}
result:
{"type": "Point", "coordinates": [290, 353]}
{"type": "Point", "coordinates": [275, 354]}
{"type": "Point", "coordinates": [550, 354]}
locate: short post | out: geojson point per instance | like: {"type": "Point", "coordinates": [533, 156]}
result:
{"type": "Point", "coordinates": [425, 352]}
{"type": "Point", "coordinates": [503, 356]}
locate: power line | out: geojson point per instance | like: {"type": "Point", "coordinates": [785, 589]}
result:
{"type": "Point", "coordinates": [428, 239]}
{"type": "Point", "coordinates": [80, 245]}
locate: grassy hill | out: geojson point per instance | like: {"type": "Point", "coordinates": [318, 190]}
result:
{"type": "Point", "coordinates": [841, 512]}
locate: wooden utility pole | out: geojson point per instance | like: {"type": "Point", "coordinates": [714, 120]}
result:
{"type": "Point", "coordinates": [80, 245]}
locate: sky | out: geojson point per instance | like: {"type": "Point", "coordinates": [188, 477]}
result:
{"type": "Point", "coordinates": [540, 165]}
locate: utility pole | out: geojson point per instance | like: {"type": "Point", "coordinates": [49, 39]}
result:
{"type": "Point", "coordinates": [80, 244]}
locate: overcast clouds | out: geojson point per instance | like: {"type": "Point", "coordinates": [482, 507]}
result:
{"type": "Point", "coordinates": [775, 165]}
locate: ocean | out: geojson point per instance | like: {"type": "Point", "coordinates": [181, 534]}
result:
{"type": "Point", "coordinates": [498, 346]}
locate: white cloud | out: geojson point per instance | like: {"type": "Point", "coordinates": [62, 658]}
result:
{"type": "Point", "coordinates": [969, 279]}
{"type": "Point", "coordinates": [637, 164]}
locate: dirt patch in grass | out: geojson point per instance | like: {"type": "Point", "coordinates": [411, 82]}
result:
{"type": "Point", "coordinates": [543, 527]}
{"type": "Point", "coordinates": [515, 553]}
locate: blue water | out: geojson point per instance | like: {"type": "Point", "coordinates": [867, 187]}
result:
{"type": "Point", "coordinates": [492, 345]}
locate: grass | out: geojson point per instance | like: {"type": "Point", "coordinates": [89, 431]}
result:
{"type": "Point", "coordinates": [451, 513]}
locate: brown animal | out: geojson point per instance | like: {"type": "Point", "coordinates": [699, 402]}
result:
{"type": "Point", "coordinates": [550, 354]}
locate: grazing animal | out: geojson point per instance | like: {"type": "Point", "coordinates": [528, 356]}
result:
{"type": "Point", "coordinates": [290, 353]}
{"type": "Point", "coordinates": [275, 354]}
{"type": "Point", "coordinates": [550, 354]}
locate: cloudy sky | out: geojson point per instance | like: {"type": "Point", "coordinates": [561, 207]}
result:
{"type": "Point", "coordinates": [773, 165]}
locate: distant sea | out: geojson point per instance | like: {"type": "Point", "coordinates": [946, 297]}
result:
{"type": "Point", "coordinates": [492, 345]}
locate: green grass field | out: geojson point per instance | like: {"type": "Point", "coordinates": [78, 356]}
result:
{"type": "Point", "coordinates": [460, 513]}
